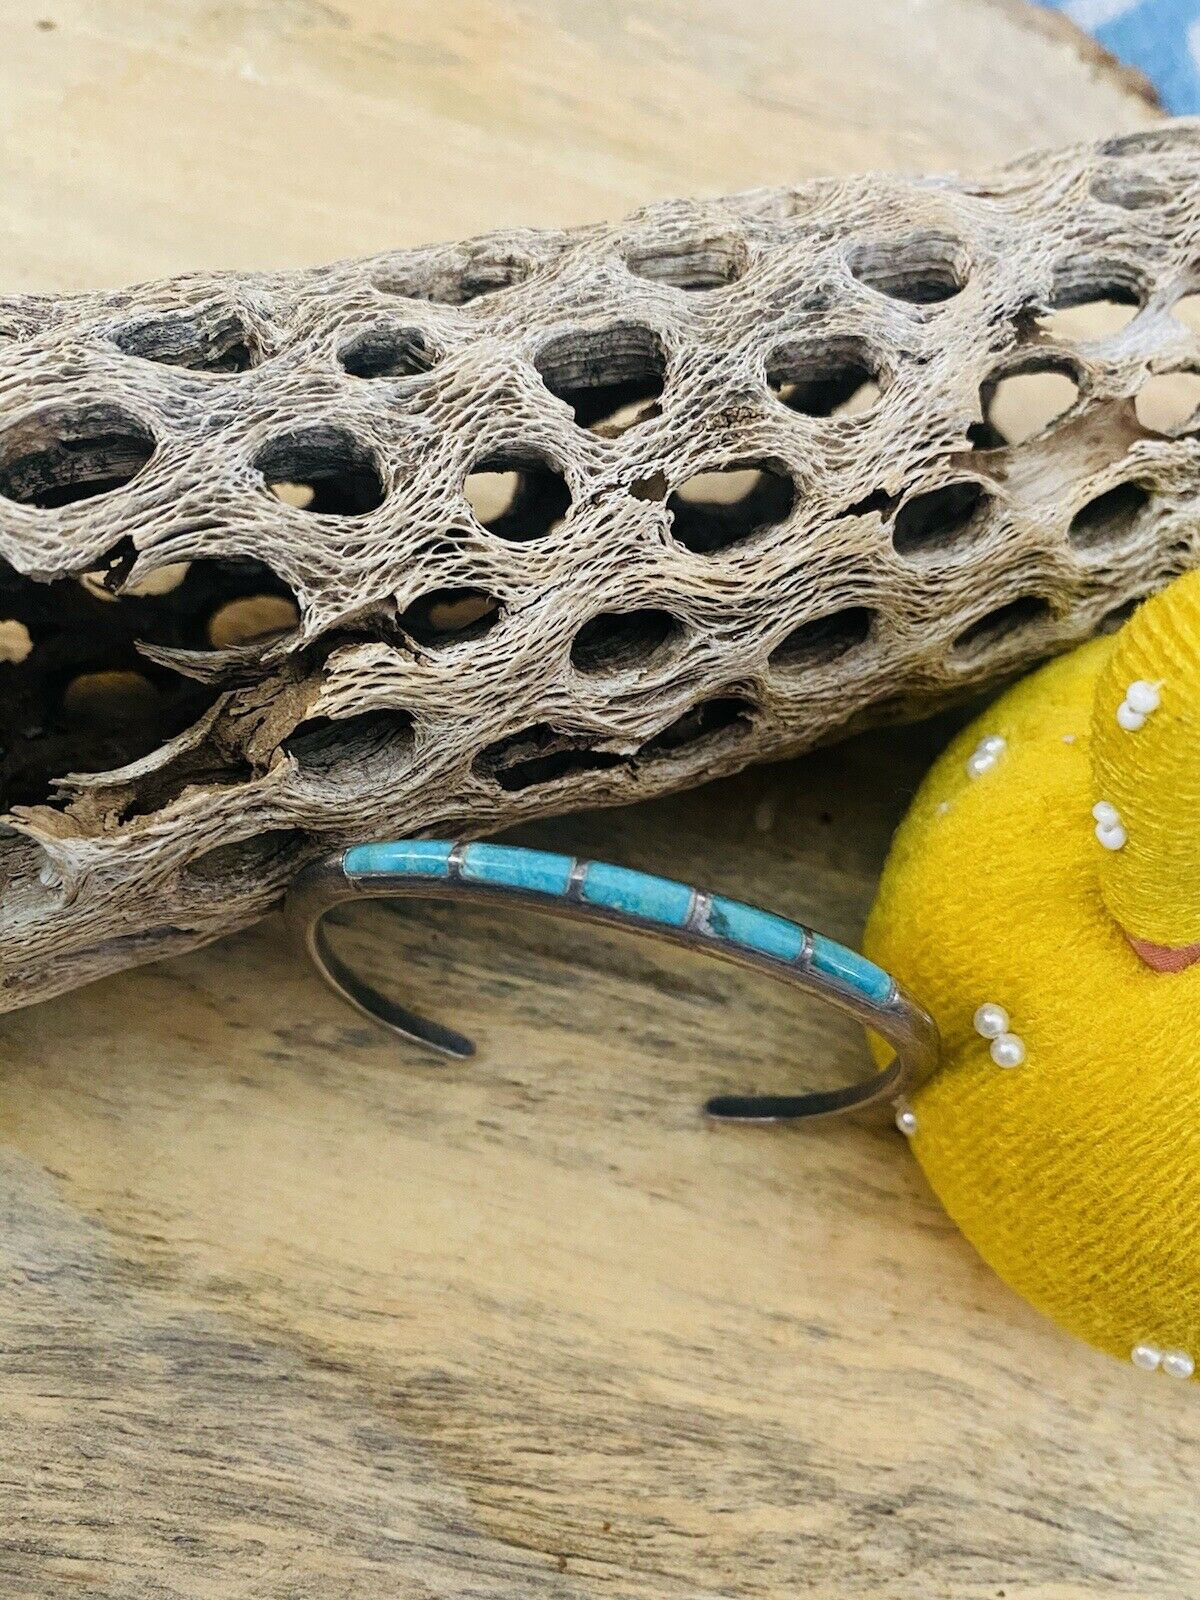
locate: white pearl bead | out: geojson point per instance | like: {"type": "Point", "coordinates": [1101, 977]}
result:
{"type": "Point", "coordinates": [1111, 835]}
{"type": "Point", "coordinates": [1178, 1364]}
{"type": "Point", "coordinates": [1142, 696]}
{"type": "Point", "coordinates": [1128, 718]}
{"type": "Point", "coordinates": [986, 754]}
{"type": "Point", "coordinates": [1103, 812]}
{"type": "Point", "coordinates": [1068, 738]}
{"type": "Point", "coordinates": [906, 1121]}
{"type": "Point", "coordinates": [1008, 1050]}
{"type": "Point", "coordinates": [991, 1021]}
{"type": "Point", "coordinates": [1147, 1357]}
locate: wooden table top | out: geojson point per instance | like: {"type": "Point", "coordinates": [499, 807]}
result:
{"type": "Point", "coordinates": [291, 1311]}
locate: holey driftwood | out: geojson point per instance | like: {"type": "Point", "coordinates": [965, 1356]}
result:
{"type": "Point", "coordinates": [445, 538]}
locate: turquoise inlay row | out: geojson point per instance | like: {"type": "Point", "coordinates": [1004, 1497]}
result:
{"type": "Point", "coordinates": [833, 960]}
{"type": "Point", "coordinates": [757, 930]}
{"type": "Point", "coordinates": [420, 858]}
{"type": "Point", "coordinates": [536, 870]}
{"type": "Point", "coordinates": [637, 894]}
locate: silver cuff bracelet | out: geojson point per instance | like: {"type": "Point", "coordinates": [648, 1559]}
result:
{"type": "Point", "coordinates": [657, 907]}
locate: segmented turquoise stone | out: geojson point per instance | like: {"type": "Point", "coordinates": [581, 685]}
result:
{"type": "Point", "coordinates": [756, 930]}
{"type": "Point", "coordinates": [633, 894]}
{"type": "Point", "coordinates": [637, 894]}
{"type": "Point", "coordinates": [833, 960]}
{"type": "Point", "coordinates": [538, 871]}
{"type": "Point", "coordinates": [417, 858]}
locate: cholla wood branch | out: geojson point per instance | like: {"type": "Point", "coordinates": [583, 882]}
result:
{"type": "Point", "coordinates": [450, 537]}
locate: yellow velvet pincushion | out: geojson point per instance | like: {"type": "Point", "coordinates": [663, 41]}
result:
{"type": "Point", "coordinates": [1049, 870]}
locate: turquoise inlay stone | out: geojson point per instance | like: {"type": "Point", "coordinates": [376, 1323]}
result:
{"type": "Point", "coordinates": [537, 870]}
{"type": "Point", "coordinates": [418, 858]}
{"type": "Point", "coordinates": [833, 960]}
{"type": "Point", "coordinates": [637, 894]}
{"type": "Point", "coordinates": [757, 930]}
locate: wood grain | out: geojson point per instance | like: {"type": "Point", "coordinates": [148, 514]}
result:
{"type": "Point", "coordinates": [291, 1312]}
{"type": "Point", "coordinates": [146, 137]}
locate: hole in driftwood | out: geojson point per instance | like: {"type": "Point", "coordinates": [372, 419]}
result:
{"type": "Point", "coordinates": [714, 510]}
{"type": "Point", "coordinates": [1119, 615]}
{"type": "Point", "coordinates": [517, 497]}
{"type": "Point", "coordinates": [1187, 310]}
{"type": "Point", "coordinates": [617, 641]}
{"type": "Point", "coordinates": [879, 503]}
{"type": "Point", "coordinates": [540, 754]}
{"type": "Point", "coordinates": [119, 697]}
{"type": "Point", "coordinates": [707, 262]}
{"type": "Point", "coordinates": [159, 580]}
{"type": "Point", "coordinates": [300, 495]}
{"type": "Point", "coordinates": [1128, 188]}
{"type": "Point", "coordinates": [1001, 624]}
{"type": "Point", "coordinates": [388, 351]}
{"type": "Point", "coordinates": [1089, 319]}
{"type": "Point", "coordinates": [923, 268]}
{"type": "Point", "coordinates": [484, 270]}
{"type": "Point", "coordinates": [342, 473]}
{"type": "Point", "coordinates": [1109, 518]}
{"type": "Point", "coordinates": [446, 616]}
{"type": "Point", "coordinates": [942, 520]}
{"type": "Point", "coordinates": [68, 710]}
{"type": "Point", "coordinates": [1020, 404]}
{"type": "Point", "coordinates": [705, 721]}
{"type": "Point", "coordinates": [223, 603]}
{"type": "Point", "coordinates": [652, 488]}
{"type": "Point", "coordinates": [252, 620]}
{"type": "Point", "coordinates": [207, 339]}
{"type": "Point", "coordinates": [1167, 401]}
{"type": "Point", "coordinates": [367, 748]}
{"type": "Point", "coordinates": [76, 692]}
{"type": "Point", "coordinates": [821, 640]}
{"type": "Point", "coordinates": [267, 855]}
{"type": "Point", "coordinates": [63, 453]}
{"type": "Point", "coordinates": [611, 378]}
{"type": "Point", "coordinates": [1092, 299]}
{"type": "Point", "coordinates": [15, 641]}
{"type": "Point", "coordinates": [835, 377]}
{"type": "Point", "coordinates": [104, 581]}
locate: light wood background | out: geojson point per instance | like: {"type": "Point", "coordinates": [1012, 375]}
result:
{"type": "Point", "coordinates": [288, 1311]}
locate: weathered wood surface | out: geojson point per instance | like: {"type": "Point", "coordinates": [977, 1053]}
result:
{"type": "Point", "coordinates": [290, 1312]}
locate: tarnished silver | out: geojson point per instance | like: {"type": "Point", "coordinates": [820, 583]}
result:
{"type": "Point", "coordinates": [899, 1020]}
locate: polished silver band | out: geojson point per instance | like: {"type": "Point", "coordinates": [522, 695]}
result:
{"type": "Point", "coordinates": [654, 907]}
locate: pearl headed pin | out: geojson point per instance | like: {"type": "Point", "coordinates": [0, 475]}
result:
{"type": "Point", "coordinates": [986, 754]}
{"type": "Point", "coordinates": [1006, 1049]}
{"type": "Point", "coordinates": [1149, 1357]}
{"type": "Point", "coordinates": [1110, 831]}
{"type": "Point", "coordinates": [1141, 701]}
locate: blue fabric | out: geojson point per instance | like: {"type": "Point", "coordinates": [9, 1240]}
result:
{"type": "Point", "coordinates": [1162, 37]}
